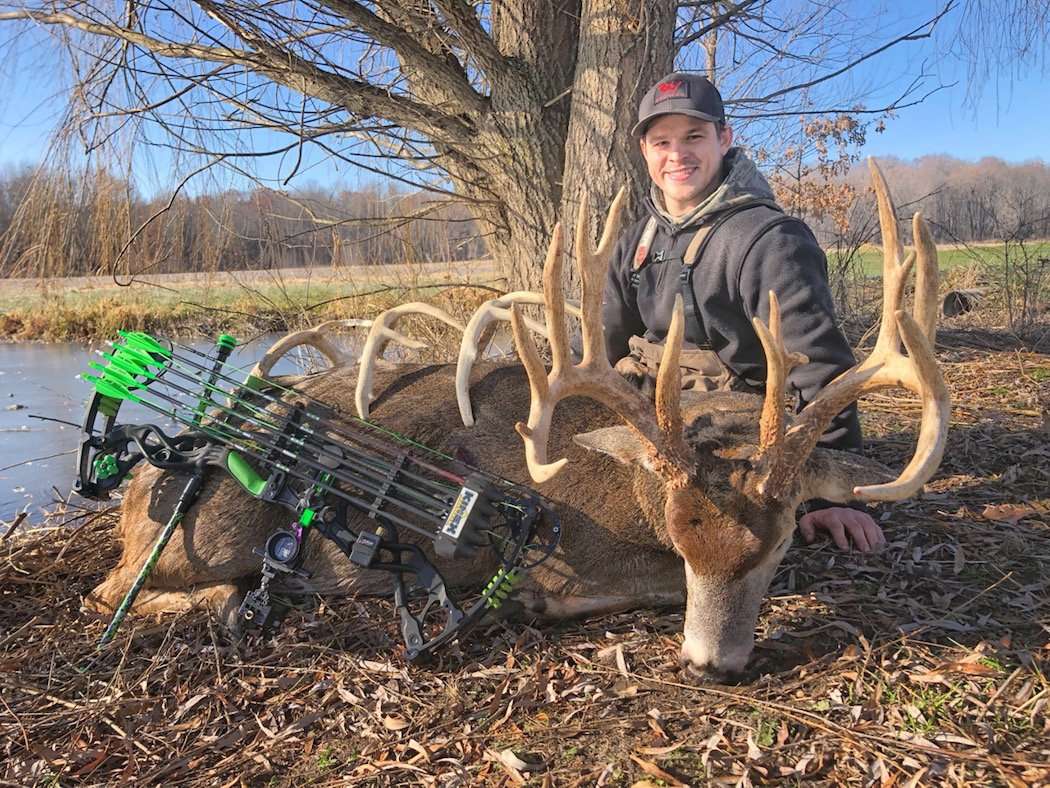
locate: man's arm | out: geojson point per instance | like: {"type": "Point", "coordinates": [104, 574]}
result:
{"type": "Point", "coordinates": [788, 261]}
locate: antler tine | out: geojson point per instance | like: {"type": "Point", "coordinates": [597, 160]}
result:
{"type": "Point", "coordinates": [593, 377]}
{"type": "Point", "coordinates": [669, 376]}
{"type": "Point", "coordinates": [381, 333]}
{"type": "Point", "coordinates": [593, 266]}
{"type": "Point", "coordinates": [779, 363]}
{"type": "Point", "coordinates": [314, 337]}
{"type": "Point", "coordinates": [936, 412]}
{"type": "Point", "coordinates": [477, 327]}
{"type": "Point", "coordinates": [886, 367]}
{"type": "Point", "coordinates": [894, 273]}
{"type": "Point", "coordinates": [925, 277]}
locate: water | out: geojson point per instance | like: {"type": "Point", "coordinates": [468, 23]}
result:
{"type": "Point", "coordinates": [38, 458]}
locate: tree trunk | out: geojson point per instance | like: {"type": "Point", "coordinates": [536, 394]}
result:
{"type": "Point", "coordinates": [561, 123]}
{"type": "Point", "coordinates": [624, 47]}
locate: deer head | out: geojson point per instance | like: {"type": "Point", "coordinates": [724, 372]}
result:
{"type": "Point", "coordinates": [729, 509]}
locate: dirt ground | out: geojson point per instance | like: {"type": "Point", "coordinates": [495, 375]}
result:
{"type": "Point", "coordinates": [923, 665]}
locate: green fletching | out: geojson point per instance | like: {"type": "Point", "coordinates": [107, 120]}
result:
{"type": "Point", "coordinates": [142, 357]}
{"type": "Point", "coordinates": [110, 389]}
{"type": "Point", "coordinates": [143, 341]}
{"type": "Point", "coordinates": [128, 364]}
{"type": "Point", "coordinates": [116, 375]}
{"type": "Point", "coordinates": [226, 341]}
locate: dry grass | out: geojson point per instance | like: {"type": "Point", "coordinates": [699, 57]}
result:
{"type": "Point", "coordinates": [926, 664]}
{"type": "Point", "coordinates": [222, 309]}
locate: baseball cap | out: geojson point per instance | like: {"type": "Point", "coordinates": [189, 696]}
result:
{"type": "Point", "coordinates": [680, 94]}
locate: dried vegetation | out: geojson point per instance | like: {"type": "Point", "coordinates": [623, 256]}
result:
{"type": "Point", "coordinates": [926, 664]}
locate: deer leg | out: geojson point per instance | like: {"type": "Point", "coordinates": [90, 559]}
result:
{"type": "Point", "coordinates": [220, 597]}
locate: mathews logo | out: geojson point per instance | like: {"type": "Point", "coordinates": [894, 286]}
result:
{"type": "Point", "coordinates": [670, 90]}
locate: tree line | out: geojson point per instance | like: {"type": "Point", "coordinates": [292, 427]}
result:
{"type": "Point", "coordinates": [59, 222]}
{"type": "Point", "coordinates": [965, 202]}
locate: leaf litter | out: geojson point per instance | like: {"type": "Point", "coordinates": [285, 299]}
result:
{"type": "Point", "coordinates": [925, 664]}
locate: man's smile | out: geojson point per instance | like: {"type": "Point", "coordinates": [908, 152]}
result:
{"type": "Point", "coordinates": [682, 174]}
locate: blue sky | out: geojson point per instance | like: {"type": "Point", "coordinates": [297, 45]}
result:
{"type": "Point", "coordinates": [1008, 120]}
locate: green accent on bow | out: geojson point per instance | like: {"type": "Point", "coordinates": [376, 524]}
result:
{"type": "Point", "coordinates": [106, 466]}
{"type": "Point", "coordinates": [501, 586]}
{"type": "Point", "coordinates": [245, 474]}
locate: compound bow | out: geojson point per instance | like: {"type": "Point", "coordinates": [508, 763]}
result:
{"type": "Point", "coordinates": [285, 447]}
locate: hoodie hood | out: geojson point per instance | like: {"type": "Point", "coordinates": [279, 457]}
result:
{"type": "Point", "coordinates": [742, 184]}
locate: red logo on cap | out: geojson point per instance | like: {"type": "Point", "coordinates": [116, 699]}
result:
{"type": "Point", "coordinates": [673, 88]}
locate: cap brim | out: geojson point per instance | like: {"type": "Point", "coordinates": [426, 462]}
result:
{"type": "Point", "coordinates": [640, 126]}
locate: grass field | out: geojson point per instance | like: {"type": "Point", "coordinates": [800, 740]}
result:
{"type": "Point", "coordinates": [949, 257]}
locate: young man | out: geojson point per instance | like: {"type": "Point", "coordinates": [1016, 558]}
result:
{"type": "Point", "coordinates": [715, 234]}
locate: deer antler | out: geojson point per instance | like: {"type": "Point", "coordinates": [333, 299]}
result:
{"type": "Point", "coordinates": [593, 377]}
{"type": "Point", "coordinates": [783, 454]}
{"type": "Point", "coordinates": [316, 337]}
{"type": "Point", "coordinates": [478, 332]}
{"type": "Point", "coordinates": [381, 333]}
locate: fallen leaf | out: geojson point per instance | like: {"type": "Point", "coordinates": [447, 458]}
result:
{"type": "Point", "coordinates": [395, 723]}
{"type": "Point", "coordinates": [653, 770]}
{"type": "Point", "coordinates": [1009, 512]}
{"type": "Point", "coordinates": [972, 668]}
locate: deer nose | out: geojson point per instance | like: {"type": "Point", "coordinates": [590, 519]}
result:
{"type": "Point", "coordinates": [707, 666]}
{"type": "Point", "coordinates": [708, 674]}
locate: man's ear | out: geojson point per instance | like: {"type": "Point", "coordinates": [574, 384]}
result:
{"type": "Point", "coordinates": [725, 139]}
{"type": "Point", "coordinates": [621, 443]}
{"type": "Point", "coordinates": [832, 475]}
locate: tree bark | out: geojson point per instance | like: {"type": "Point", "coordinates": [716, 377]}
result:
{"type": "Point", "coordinates": [561, 126]}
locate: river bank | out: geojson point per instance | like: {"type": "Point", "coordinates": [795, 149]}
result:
{"type": "Point", "coordinates": [244, 303]}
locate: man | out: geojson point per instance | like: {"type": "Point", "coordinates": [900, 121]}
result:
{"type": "Point", "coordinates": [715, 234]}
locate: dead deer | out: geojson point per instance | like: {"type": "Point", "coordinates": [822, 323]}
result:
{"type": "Point", "coordinates": [689, 499]}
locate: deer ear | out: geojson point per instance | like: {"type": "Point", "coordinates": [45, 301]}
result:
{"type": "Point", "coordinates": [831, 474]}
{"type": "Point", "coordinates": [621, 443]}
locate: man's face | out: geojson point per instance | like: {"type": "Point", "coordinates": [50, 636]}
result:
{"type": "Point", "coordinates": [684, 157]}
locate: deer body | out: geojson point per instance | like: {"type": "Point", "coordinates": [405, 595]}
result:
{"type": "Point", "coordinates": [699, 487]}
{"type": "Point", "coordinates": [609, 549]}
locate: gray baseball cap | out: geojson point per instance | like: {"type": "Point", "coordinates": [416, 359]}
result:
{"type": "Point", "coordinates": [680, 94]}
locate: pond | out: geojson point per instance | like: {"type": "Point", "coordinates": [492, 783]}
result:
{"type": "Point", "coordinates": [38, 457]}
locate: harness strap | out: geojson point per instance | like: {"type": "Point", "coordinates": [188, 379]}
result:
{"type": "Point", "coordinates": [642, 252]}
{"type": "Point", "coordinates": [685, 277]}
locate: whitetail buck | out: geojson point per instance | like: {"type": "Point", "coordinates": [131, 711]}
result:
{"type": "Point", "coordinates": [692, 500]}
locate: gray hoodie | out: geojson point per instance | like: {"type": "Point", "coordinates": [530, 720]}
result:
{"type": "Point", "coordinates": [753, 248]}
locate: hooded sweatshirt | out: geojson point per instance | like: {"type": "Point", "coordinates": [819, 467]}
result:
{"type": "Point", "coordinates": [752, 248]}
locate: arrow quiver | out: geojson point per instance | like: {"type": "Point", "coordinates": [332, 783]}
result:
{"type": "Point", "coordinates": [287, 448]}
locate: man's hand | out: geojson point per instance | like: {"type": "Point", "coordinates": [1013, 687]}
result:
{"type": "Point", "coordinates": [844, 525]}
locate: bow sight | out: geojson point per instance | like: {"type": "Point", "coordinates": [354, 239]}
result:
{"type": "Point", "coordinates": [285, 447]}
